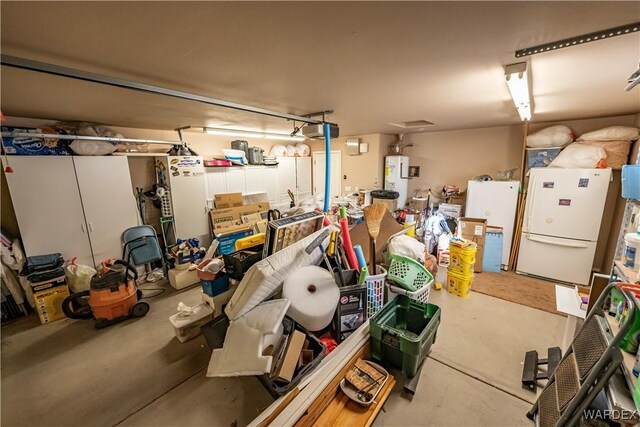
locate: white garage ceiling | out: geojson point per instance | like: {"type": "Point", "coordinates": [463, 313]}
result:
{"type": "Point", "coordinates": [373, 63]}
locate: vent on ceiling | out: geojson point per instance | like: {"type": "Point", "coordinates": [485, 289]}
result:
{"type": "Point", "coordinates": [412, 124]}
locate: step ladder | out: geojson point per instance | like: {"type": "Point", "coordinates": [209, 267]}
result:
{"type": "Point", "coordinates": [531, 371]}
{"type": "Point", "coordinates": [585, 368]}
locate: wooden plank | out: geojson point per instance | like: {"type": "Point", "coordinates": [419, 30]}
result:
{"type": "Point", "coordinates": [316, 408]}
{"type": "Point", "coordinates": [283, 404]}
{"type": "Point", "coordinates": [353, 414]}
{"type": "Point", "coordinates": [515, 244]}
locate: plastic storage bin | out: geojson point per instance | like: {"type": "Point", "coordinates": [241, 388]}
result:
{"type": "Point", "coordinates": [462, 260]}
{"type": "Point", "coordinates": [217, 286]}
{"type": "Point", "coordinates": [375, 291]}
{"type": "Point", "coordinates": [631, 181]}
{"type": "Point", "coordinates": [188, 326]}
{"type": "Point", "coordinates": [402, 333]}
{"type": "Point", "coordinates": [541, 157]}
{"type": "Point", "coordinates": [408, 273]}
{"type": "Point", "coordinates": [459, 283]}
{"type": "Point", "coordinates": [277, 389]}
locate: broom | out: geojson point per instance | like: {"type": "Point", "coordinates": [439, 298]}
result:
{"type": "Point", "coordinates": [373, 215]}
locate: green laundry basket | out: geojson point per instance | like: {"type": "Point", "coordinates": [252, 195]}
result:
{"type": "Point", "coordinates": [408, 273]}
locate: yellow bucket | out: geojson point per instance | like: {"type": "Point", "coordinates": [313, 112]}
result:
{"type": "Point", "coordinates": [459, 284]}
{"type": "Point", "coordinates": [461, 260]}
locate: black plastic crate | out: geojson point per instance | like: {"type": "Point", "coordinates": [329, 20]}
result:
{"type": "Point", "coordinates": [319, 351]}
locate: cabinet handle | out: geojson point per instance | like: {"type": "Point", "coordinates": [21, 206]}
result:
{"type": "Point", "coordinates": [90, 227]}
{"type": "Point", "coordinates": [82, 226]}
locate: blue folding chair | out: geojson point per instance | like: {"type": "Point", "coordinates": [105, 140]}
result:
{"type": "Point", "coordinates": [141, 246]}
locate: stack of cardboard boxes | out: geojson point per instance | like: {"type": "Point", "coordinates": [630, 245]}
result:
{"type": "Point", "coordinates": [232, 220]}
{"type": "Point", "coordinates": [474, 229]}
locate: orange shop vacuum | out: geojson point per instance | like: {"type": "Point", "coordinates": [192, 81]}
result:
{"type": "Point", "coordinates": [112, 297]}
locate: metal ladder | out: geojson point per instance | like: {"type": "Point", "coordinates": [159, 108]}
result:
{"type": "Point", "coordinates": [585, 368]}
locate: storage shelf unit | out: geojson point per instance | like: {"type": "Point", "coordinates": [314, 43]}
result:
{"type": "Point", "coordinates": [292, 173]}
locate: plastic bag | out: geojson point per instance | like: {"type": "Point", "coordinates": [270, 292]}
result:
{"type": "Point", "coordinates": [611, 133]}
{"type": "Point", "coordinates": [79, 276]}
{"type": "Point", "coordinates": [553, 136]}
{"type": "Point", "coordinates": [278, 150]}
{"type": "Point", "coordinates": [579, 156]}
{"type": "Point", "coordinates": [303, 149]}
{"type": "Point", "coordinates": [407, 246]}
{"type": "Point", "coordinates": [617, 151]}
{"type": "Point", "coordinates": [87, 147]}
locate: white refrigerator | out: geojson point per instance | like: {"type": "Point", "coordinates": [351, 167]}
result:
{"type": "Point", "coordinates": [396, 177]}
{"type": "Point", "coordinates": [495, 201]}
{"type": "Point", "coordinates": [561, 223]}
{"type": "Point", "coordinates": [187, 182]}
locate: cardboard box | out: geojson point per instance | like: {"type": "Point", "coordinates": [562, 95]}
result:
{"type": "Point", "coordinates": [227, 238]}
{"type": "Point", "coordinates": [48, 296]}
{"type": "Point", "coordinates": [447, 209]}
{"type": "Point", "coordinates": [291, 356]}
{"type": "Point", "coordinates": [228, 200]}
{"type": "Point", "coordinates": [284, 232]}
{"type": "Point", "coordinates": [223, 218]}
{"type": "Point", "coordinates": [473, 229]}
{"type": "Point", "coordinates": [180, 279]}
{"type": "Point", "coordinates": [477, 266]}
{"type": "Point", "coordinates": [457, 200]}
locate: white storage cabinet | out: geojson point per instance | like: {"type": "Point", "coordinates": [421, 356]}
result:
{"type": "Point", "coordinates": [76, 205]}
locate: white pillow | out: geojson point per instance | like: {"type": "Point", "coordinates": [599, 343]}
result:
{"type": "Point", "coordinates": [579, 156]}
{"type": "Point", "coordinates": [611, 133]}
{"type": "Point", "coordinates": [553, 136]}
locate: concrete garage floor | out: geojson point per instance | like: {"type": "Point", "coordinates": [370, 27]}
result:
{"type": "Point", "coordinates": [136, 373]}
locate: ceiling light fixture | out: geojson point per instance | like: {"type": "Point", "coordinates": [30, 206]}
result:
{"type": "Point", "coordinates": [252, 134]}
{"type": "Point", "coordinates": [518, 82]}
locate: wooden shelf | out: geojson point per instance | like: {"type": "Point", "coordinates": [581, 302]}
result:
{"type": "Point", "coordinates": [628, 359]}
{"type": "Point", "coordinates": [626, 274]}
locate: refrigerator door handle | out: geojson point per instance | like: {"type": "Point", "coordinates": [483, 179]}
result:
{"type": "Point", "coordinates": [556, 243]}
{"type": "Point", "coordinates": [529, 203]}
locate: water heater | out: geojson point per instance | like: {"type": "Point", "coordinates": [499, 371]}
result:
{"type": "Point", "coordinates": [396, 172]}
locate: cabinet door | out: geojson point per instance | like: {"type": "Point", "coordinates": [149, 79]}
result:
{"type": "Point", "coordinates": [189, 198]}
{"type": "Point", "coordinates": [286, 179]}
{"type": "Point", "coordinates": [108, 200]}
{"type": "Point", "coordinates": [270, 182]}
{"type": "Point", "coordinates": [44, 192]}
{"type": "Point", "coordinates": [216, 181]}
{"type": "Point", "coordinates": [236, 180]}
{"type": "Point", "coordinates": [253, 180]}
{"type": "Point", "coordinates": [303, 176]}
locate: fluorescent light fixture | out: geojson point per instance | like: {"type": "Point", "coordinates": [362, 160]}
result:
{"type": "Point", "coordinates": [252, 134]}
{"type": "Point", "coordinates": [518, 82]}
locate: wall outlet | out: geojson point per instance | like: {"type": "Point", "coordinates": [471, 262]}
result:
{"type": "Point", "coordinates": [347, 188]}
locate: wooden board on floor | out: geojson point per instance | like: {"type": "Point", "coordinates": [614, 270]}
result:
{"type": "Point", "coordinates": [317, 408]}
{"type": "Point", "coordinates": [343, 411]}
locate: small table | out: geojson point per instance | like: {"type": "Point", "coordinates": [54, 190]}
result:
{"type": "Point", "coordinates": [567, 302]}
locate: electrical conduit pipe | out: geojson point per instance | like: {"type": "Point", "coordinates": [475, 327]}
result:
{"type": "Point", "coordinates": [327, 166]}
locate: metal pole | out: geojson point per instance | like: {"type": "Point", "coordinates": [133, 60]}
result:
{"type": "Point", "coordinates": [42, 67]}
{"type": "Point", "coordinates": [327, 166]}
